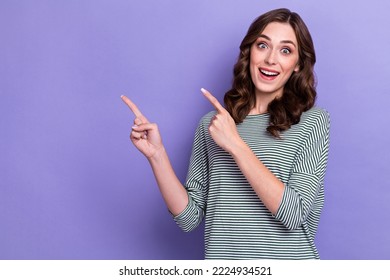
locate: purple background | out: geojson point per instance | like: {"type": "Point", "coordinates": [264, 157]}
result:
{"type": "Point", "coordinates": [72, 186]}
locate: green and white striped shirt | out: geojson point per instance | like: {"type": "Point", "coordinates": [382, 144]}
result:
{"type": "Point", "coordinates": [237, 224]}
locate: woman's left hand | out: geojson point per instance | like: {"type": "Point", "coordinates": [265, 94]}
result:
{"type": "Point", "coordinates": [222, 127]}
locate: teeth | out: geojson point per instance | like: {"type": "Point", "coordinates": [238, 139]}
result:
{"type": "Point", "coordinates": [268, 73]}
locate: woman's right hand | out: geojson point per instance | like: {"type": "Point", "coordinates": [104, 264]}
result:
{"type": "Point", "coordinates": [144, 135]}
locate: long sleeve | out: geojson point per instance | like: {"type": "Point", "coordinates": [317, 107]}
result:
{"type": "Point", "coordinates": [304, 191]}
{"type": "Point", "coordinates": [197, 183]}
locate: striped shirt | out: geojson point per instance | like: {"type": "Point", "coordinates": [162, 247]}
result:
{"type": "Point", "coordinates": [237, 224]}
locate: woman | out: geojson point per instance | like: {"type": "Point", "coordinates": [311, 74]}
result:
{"type": "Point", "coordinates": [257, 167]}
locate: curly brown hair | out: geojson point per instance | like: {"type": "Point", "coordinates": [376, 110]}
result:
{"type": "Point", "coordinates": [299, 92]}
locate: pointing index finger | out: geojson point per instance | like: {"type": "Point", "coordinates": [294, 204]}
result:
{"type": "Point", "coordinates": [213, 100]}
{"type": "Point", "coordinates": [132, 106]}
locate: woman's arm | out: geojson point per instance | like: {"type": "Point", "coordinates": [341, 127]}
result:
{"type": "Point", "coordinates": [266, 185]}
{"type": "Point", "coordinates": [173, 192]}
{"type": "Point", "coordinates": [146, 138]}
{"type": "Point", "coordinates": [223, 130]}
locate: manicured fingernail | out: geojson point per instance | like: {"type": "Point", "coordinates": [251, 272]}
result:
{"type": "Point", "coordinates": [134, 126]}
{"type": "Point", "coordinates": [203, 90]}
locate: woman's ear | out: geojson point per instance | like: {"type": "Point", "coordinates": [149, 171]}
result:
{"type": "Point", "coordinates": [296, 69]}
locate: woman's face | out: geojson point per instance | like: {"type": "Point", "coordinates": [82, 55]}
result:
{"type": "Point", "coordinates": [273, 58]}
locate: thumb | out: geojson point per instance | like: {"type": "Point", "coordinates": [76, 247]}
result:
{"type": "Point", "coordinates": [144, 127]}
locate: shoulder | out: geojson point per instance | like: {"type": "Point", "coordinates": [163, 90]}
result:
{"type": "Point", "coordinates": [314, 124]}
{"type": "Point", "coordinates": [315, 117]}
{"type": "Point", "coordinates": [203, 124]}
{"type": "Point", "coordinates": [316, 113]}
{"type": "Point", "coordinates": [205, 120]}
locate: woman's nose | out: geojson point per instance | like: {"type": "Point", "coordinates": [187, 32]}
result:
{"type": "Point", "coordinates": [271, 58]}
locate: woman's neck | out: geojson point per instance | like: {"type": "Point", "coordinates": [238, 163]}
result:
{"type": "Point", "coordinates": [262, 102]}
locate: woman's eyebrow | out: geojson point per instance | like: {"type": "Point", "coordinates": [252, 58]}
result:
{"type": "Point", "coordinates": [265, 37]}
{"type": "Point", "coordinates": [283, 41]}
{"type": "Point", "coordinates": [288, 42]}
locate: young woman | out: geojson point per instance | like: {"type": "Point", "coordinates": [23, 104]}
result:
{"type": "Point", "coordinates": [257, 167]}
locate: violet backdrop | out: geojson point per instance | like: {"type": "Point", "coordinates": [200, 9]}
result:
{"type": "Point", "coordinates": [72, 186]}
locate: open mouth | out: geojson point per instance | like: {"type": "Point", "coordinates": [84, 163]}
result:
{"type": "Point", "coordinates": [268, 73]}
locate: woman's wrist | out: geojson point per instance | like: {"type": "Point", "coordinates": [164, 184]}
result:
{"type": "Point", "coordinates": [158, 155]}
{"type": "Point", "coordinates": [237, 148]}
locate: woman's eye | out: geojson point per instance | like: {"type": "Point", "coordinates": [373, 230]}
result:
{"type": "Point", "coordinates": [286, 50]}
{"type": "Point", "coordinates": [262, 45]}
